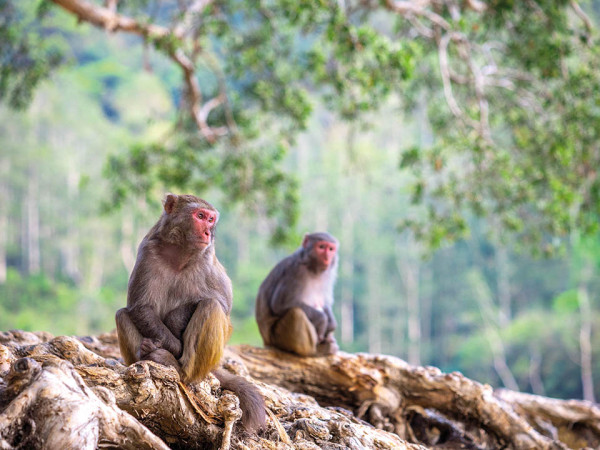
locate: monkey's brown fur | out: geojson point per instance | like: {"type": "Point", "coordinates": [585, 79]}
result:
{"type": "Point", "coordinates": [179, 300]}
{"type": "Point", "coordinates": [286, 310]}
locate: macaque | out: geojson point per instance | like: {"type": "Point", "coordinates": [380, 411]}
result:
{"type": "Point", "coordinates": [179, 300]}
{"type": "Point", "coordinates": [293, 305]}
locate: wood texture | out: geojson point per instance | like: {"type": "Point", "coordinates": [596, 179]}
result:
{"type": "Point", "coordinates": [67, 392]}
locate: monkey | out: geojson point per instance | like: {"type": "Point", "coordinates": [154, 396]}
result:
{"type": "Point", "coordinates": [179, 301]}
{"type": "Point", "coordinates": [293, 304]}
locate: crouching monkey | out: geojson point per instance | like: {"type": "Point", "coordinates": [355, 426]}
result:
{"type": "Point", "coordinates": [293, 305]}
{"type": "Point", "coordinates": [179, 300]}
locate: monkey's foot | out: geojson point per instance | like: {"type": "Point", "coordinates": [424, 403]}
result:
{"type": "Point", "coordinates": [327, 348]}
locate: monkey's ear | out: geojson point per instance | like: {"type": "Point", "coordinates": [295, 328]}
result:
{"type": "Point", "coordinates": [306, 241]}
{"type": "Point", "coordinates": [170, 201]}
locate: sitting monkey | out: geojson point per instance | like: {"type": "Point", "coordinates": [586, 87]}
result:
{"type": "Point", "coordinates": [293, 305]}
{"type": "Point", "coordinates": [179, 300]}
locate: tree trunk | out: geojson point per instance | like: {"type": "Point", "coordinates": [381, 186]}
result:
{"type": "Point", "coordinates": [32, 243]}
{"type": "Point", "coordinates": [535, 377]}
{"type": "Point", "coordinates": [127, 247]}
{"type": "Point", "coordinates": [408, 263]}
{"type": "Point", "coordinates": [347, 278]}
{"type": "Point", "coordinates": [374, 308]}
{"type": "Point", "coordinates": [585, 343]}
{"type": "Point", "coordinates": [490, 316]}
{"type": "Point", "coordinates": [71, 246]}
{"type": "Point", "coordinates": [426, 306]}
{"type": "Point", "coordinates": [4, 205]}
{"type": "Point", "coordinates": [503, 286]}
{"type": "Point", "coordinates": [67, 392]}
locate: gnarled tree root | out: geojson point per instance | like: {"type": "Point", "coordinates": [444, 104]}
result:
{"type": "Point", "coordinates": [69, 392]}
{"type": "Point", "coordinates": [74, 393]}
{"type": "Point", "coordinates": [422, 404]}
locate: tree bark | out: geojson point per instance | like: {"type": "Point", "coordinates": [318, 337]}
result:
{"type": "Point", "coordinates": [68, 392]}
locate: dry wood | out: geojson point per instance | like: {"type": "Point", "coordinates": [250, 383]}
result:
{"type": "Point", "coordinates": [67, 392]}
{"type": "Point", "coordinates": [48, 382]}
{"type": "Point", "coordinates": [424, 403]}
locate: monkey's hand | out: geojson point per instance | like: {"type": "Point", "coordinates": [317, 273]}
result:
{"type": "Point", "coordinates": [147, 346]}
{"type": "Point", "coordinates": [150, 326]}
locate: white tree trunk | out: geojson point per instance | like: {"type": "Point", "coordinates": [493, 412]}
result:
{"type": "Point", "coordinates": [585, 343]}
{"type": "Point", "coordinates": [374, 308]}
{"type": "Point", "coordinates": [347, 278]}
{"type": "Point", "coordinates": [503, 286]}
{"type": "Point", "coordinates": [408, 264]}
{"type": "Point", "coordinates": [33, 225]}
{"type": "Point", "coordinates": [4, 205]}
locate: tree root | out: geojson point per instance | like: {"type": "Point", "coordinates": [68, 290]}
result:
{"type": "Point", "coordinates": [143, 405]}
{"type": "Point", "coordinates": [69, 392]}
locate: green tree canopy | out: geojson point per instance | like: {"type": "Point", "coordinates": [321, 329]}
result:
{"type": "Point", "coordinates": [509, 88]}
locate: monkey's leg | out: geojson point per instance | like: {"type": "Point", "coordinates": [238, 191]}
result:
{"type": "Point", "coordinates": [204, 339]}
{"type": "Point", "coordinates": [135, 347]}
{"type": "Point", "coordinates": [129, 336]}
{"type": "Point", "coordinates": [295, 333]}
{"type": "Point", "coordinates": [177, 320]}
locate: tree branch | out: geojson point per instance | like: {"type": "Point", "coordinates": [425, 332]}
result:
{"type": "Point", "coordinates": [582, 15]}
{"type": "Point", "coordinates": [110, 20]}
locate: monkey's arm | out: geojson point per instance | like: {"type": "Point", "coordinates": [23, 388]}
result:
{"type": "Point", "coordinates": [331, 322]}
{"type": "Point", "coordinates": [145, 291]}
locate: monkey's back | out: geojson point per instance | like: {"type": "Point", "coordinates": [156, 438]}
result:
{"type": "Point", "coordinates": [279, 287]}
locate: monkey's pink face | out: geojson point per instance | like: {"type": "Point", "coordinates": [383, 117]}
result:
{"type": "Point", "coordinates": [325, 252]}
{"type": "Point", "coordinates": [204, 223]}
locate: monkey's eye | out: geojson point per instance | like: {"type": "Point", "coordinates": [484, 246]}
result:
{"type": "Point", "coordinates": [200, 216]}
{"type": "Point", "coordinates": [321, 246]}
{"type": "Point", "coordinates": [211, 220]}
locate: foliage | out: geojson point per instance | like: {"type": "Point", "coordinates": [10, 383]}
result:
{"type": "Point", "coordinates": [507, 116]}
{"type": "Point", "coordinates": [28, 49]}
{"type": "Point", "coordinates": [534, 175]}
{"type": "Point", "coordinates": [36, 301]}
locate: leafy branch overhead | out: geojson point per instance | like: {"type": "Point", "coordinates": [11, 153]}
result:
{"type": "Point", "coordinates": [509, 89]}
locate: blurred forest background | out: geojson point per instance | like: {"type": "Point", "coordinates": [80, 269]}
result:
{"type": "Point", "coordinates": [492, 271]}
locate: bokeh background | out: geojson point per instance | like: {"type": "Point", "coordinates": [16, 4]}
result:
{"type": "Point", "coordinates": [485, 301]}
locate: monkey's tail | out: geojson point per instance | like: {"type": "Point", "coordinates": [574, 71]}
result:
{"type": "Point", "coordinates": [251, 402]}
